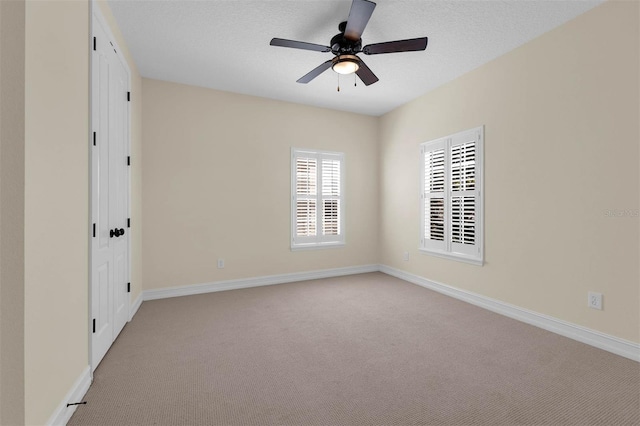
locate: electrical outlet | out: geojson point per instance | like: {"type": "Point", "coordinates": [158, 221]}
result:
{"type": "Point", "coordinates": [595, 300]}
{"type": "Point", "coordinates": [220, 263]}
{"type": "Point", "coordinates": [405, 256]}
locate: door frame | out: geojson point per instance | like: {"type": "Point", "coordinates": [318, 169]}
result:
{"type": "Point", "coordinates": [96, 13]}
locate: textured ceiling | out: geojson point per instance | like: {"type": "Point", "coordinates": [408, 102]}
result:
{"type": "Point", "coordinates": [224, 44]}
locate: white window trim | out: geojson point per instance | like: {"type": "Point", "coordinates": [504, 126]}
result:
{"type": "Point", "coordinates": [320, 242]}
{"type": "Point", "coordinates": [446, 252]}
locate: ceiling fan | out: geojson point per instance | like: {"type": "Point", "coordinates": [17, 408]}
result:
{"type": "Point", "coordinates": [346, 45]}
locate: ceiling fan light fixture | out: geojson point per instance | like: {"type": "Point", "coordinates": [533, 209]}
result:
{"type": "Point", "coordinates": [346, 64]}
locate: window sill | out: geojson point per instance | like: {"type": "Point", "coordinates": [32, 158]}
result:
{"type": "Point", "coordinates": [451, 256]}
{"type": "Point", "coordinates": [314, 246]}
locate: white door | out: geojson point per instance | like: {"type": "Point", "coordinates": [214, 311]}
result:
{"type": "Point", "coordinates": [110, 194]}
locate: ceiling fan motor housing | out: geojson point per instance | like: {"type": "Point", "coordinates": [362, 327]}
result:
{"type": "Point", "coordinates": [341, 45]}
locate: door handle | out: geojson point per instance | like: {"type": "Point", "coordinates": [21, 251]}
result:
{"type": "Point", "coordinates": [116, 232]}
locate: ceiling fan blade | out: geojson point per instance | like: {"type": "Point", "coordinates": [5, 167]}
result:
{"type": "Point", "coordinates": [366, 75]}
{"type": "Point", "coordinates": [299, 45]}
{"type": "Point", "coordinates": [315, 72]}
{"type": "Point", "coordinates": [410, 45]}
{"type": "Point", "coordinates": [359, 15]}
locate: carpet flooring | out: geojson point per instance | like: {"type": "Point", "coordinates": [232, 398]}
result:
{"type": "Point", "coordinates": [364, 349]}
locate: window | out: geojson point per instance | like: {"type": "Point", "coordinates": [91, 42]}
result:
{"type": "Point", "coordinates": [452, 196]}
{"type": "Point", "coordinates": [317, 199]}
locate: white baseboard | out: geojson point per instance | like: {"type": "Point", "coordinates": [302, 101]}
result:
{"type": "Point", "coordinates": [600, 340]}
{"type": "Point", "coordinates": [136, 305]}
{"type": "Point", "coordinates": [63, 413]}
{"type": "Point", "coordinates": [254, 282]}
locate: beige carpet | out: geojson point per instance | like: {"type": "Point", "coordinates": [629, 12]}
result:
{"type": "Point", "coordinates": [360, 350]}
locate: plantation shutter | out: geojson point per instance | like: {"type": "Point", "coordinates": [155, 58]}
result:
{"type": "Point", "coordinates": [434, 211]}
{"type": "Point", "coordinates": [306, 197]}
{"type": "Point", "coordinates": [464, 202]}
{"type": "Point", "coordinates": [317, 187]}
{"type": "Point", "coordinates": [451, 198]}
{"type": "Point", "coordinates": [330, 196]}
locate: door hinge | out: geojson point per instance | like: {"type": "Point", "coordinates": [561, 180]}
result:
{"type": "Point", "coordinates": [128, 160]}
{"type": "Point", "coordinates": [94, 230]}
{"type": "Point", "coordinates": [128, 96]}
{"type": "Point", "coordinates": [128, 222]}
{"type": "Point", "coordinates": [94, 325]}
{"type": "Point", "coordinates": [94, 43]}
{"type": "Point", "coordinates": [128, 287]}
{"type": "Point", "coordinates": [94, 138]}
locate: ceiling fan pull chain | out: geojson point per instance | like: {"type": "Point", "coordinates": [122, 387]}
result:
{"type": "Point", "coordinates": [355, 80]}
{"type": "Point", "coordinates": [338, 82]}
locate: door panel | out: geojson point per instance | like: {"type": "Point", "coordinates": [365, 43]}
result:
{"type": "Point", "coordinates": [110, 193]}
{"type": "Point", "coordinates": [118, 191]}
{"type": "Point", "coordinates": [102, 148]}
{"type": "Point", "coordinates": [101, 251]}
{"type": "Point", "coordinates": [120, 305]}
{"type": "Point", "coordinates": [101, 311]}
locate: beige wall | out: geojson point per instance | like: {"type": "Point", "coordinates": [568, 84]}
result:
{"type": "Point", "coordinates": [561, 148]}
{"type": "Point", "coordinates": [12, 86]}
{"type": "Point", "coordinates": [136, 154]}
{"type": "Point", "coordinates": [216, 184]}
{"type": "Point", "coordinates": [56, 202]}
